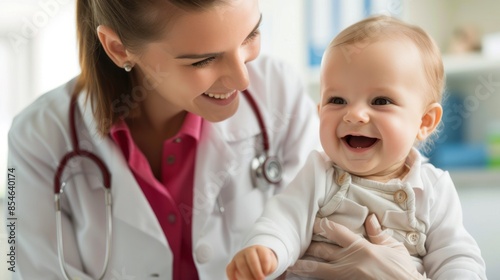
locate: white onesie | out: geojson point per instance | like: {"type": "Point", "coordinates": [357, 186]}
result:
{"type": "Point", "coordinates": [423, 211]}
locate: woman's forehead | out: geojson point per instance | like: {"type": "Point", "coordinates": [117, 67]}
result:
{"type": "Point", "coordinates": [213, 29]}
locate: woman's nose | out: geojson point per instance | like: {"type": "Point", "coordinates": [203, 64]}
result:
{"type": "Point", "coordinates": [357, 115]}
{"type": "Point", "coordinates": [236, 74]}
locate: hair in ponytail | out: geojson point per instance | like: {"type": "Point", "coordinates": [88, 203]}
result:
{"type": "Point", "coordinates": [136, 22]}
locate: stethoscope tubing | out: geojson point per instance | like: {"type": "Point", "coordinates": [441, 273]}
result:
{"type": "Point", "coordinates": [77, 152]}
{"type": "Point", "coordinates": [59, 189]}
{"type": "Point", "coordinates": [258, 114]}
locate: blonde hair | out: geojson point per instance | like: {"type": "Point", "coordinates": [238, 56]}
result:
{"type": "Point", "coordinates": [379, 27]}
{"type": "Point", "coordinates": [136, 22]}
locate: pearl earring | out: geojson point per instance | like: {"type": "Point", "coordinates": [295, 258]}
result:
{"type": "Point", "coordinates": [127, 66]}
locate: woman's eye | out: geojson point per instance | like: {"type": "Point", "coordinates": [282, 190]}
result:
{"type": "Point", "coordinates": [252, 36]}
{"type": "Point", "coordinates": [204, 62]}
{"type": "Point", "coordinates": [381, 101]}
{"type": "Point", "coordinates": [336, 100]}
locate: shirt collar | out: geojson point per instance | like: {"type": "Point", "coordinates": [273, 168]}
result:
{"type": "Point", "coordinates": [121, 135]}
{"type": "Point", "coordinates": [414, 161]}
{"type": "Point", "coordinates": [191, 126]}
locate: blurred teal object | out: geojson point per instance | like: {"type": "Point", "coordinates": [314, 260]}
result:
{"type": "Point", "coordinates": [460, 155]}
{"type": "Point", "coordinates": [453, 123]}
{"type": "Point", "coordinates": [450, 150]}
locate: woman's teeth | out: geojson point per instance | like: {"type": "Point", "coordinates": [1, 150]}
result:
{"type": "Point", "coordinates": [220, 96]}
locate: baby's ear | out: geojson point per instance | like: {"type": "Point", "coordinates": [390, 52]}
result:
{"type": "Point", "coordinates": [430, 120]}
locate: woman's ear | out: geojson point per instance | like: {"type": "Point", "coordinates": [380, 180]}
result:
{"type": "Point", "coordinates": [113, 45]}
{"type": "Point", "coordinates": [430, 121]}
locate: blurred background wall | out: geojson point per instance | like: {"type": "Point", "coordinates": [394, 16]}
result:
{"type": "Point", "coordinates": [38, 52]}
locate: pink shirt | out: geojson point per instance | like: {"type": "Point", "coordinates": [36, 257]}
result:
{"type": "Point", "coordinates": [171, 198]}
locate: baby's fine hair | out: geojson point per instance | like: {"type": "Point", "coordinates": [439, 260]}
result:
{"type": "Point", "coordinates": [376, 28]}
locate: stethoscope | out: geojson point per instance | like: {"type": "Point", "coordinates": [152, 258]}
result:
{"type": "Point", "coordinates": [265, 170]}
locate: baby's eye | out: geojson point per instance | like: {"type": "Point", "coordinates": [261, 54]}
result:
{"type": "Point", "coordinates": [336, 100]}
{"type": "Point", "coordinates": [381, 101]}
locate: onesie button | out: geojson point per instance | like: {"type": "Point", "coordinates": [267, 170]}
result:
{"type": "Point", "coordinates": [203, 253]}
{"type": "Point", "coordinates": [400, 196]}
{"type": "Point", "coordinates": [413, 238]}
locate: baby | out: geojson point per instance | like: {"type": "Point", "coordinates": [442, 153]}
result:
{"type": "Point", "coordinates": [381, 87]}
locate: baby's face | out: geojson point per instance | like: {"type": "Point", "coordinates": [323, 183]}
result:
{"type": "Point", "coordinates": [373, 100]}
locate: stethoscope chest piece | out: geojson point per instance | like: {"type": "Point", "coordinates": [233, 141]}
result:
{"type": "Point", "coordinates": [266, 170]}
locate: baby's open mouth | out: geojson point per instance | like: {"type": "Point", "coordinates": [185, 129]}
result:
{"type": "Point", "coordinates": [359, 142]}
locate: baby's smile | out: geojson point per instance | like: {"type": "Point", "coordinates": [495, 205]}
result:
{"type": "Point", "coordinates": [359, 142]}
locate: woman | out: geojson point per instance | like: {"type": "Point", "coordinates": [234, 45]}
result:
{"type": "Point", "coordinates": [160, 102]}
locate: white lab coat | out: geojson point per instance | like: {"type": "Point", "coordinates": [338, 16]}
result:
{"type": "Point", "coordinates": [39, 137]}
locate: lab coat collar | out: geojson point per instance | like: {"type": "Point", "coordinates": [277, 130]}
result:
{"type": "Point", "coordinates": [243, 124]}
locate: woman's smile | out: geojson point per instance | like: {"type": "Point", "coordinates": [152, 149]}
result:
{"type": "Point", "coordinates": [220, 95]}
{"type": "Point", "coordinates": [221, 99]}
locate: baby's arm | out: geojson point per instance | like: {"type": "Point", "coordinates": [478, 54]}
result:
{"type": "Point", "coordinates": [285, 227]}
{"type": "Point", "coordinates": [452, 253]}
{"type": "Point", "coordinates": [254, 262]}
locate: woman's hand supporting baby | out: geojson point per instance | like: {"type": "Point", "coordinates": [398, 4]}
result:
{"type": "Point", "coordinates": [355, 257]}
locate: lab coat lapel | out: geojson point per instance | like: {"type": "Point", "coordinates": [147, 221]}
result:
{"type": "Point", "coordinates": [212, 154]}
{"type": "Point", "coordinates": [129, 203]}
{"type": "Point", "coordinates": [217, 154]}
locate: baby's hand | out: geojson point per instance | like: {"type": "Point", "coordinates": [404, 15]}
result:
{"type": "Point", "coordinates": [254, 262]}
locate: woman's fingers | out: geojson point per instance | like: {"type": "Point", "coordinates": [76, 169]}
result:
{"type": "Point", "coordinates": [322, 270]}
{"type": "Point", "coordinates": [310, 268]}
{"type": "Point", "coordinates": [322, 250]}
{"type": "Point", "coordinates": [372, 225]}
{"type": "Point", "coordinates": [356, 257]}
{"type": "Point", "coordinates": [376, 234]}
{"type": "Point", "coordinates": [334, 232]}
